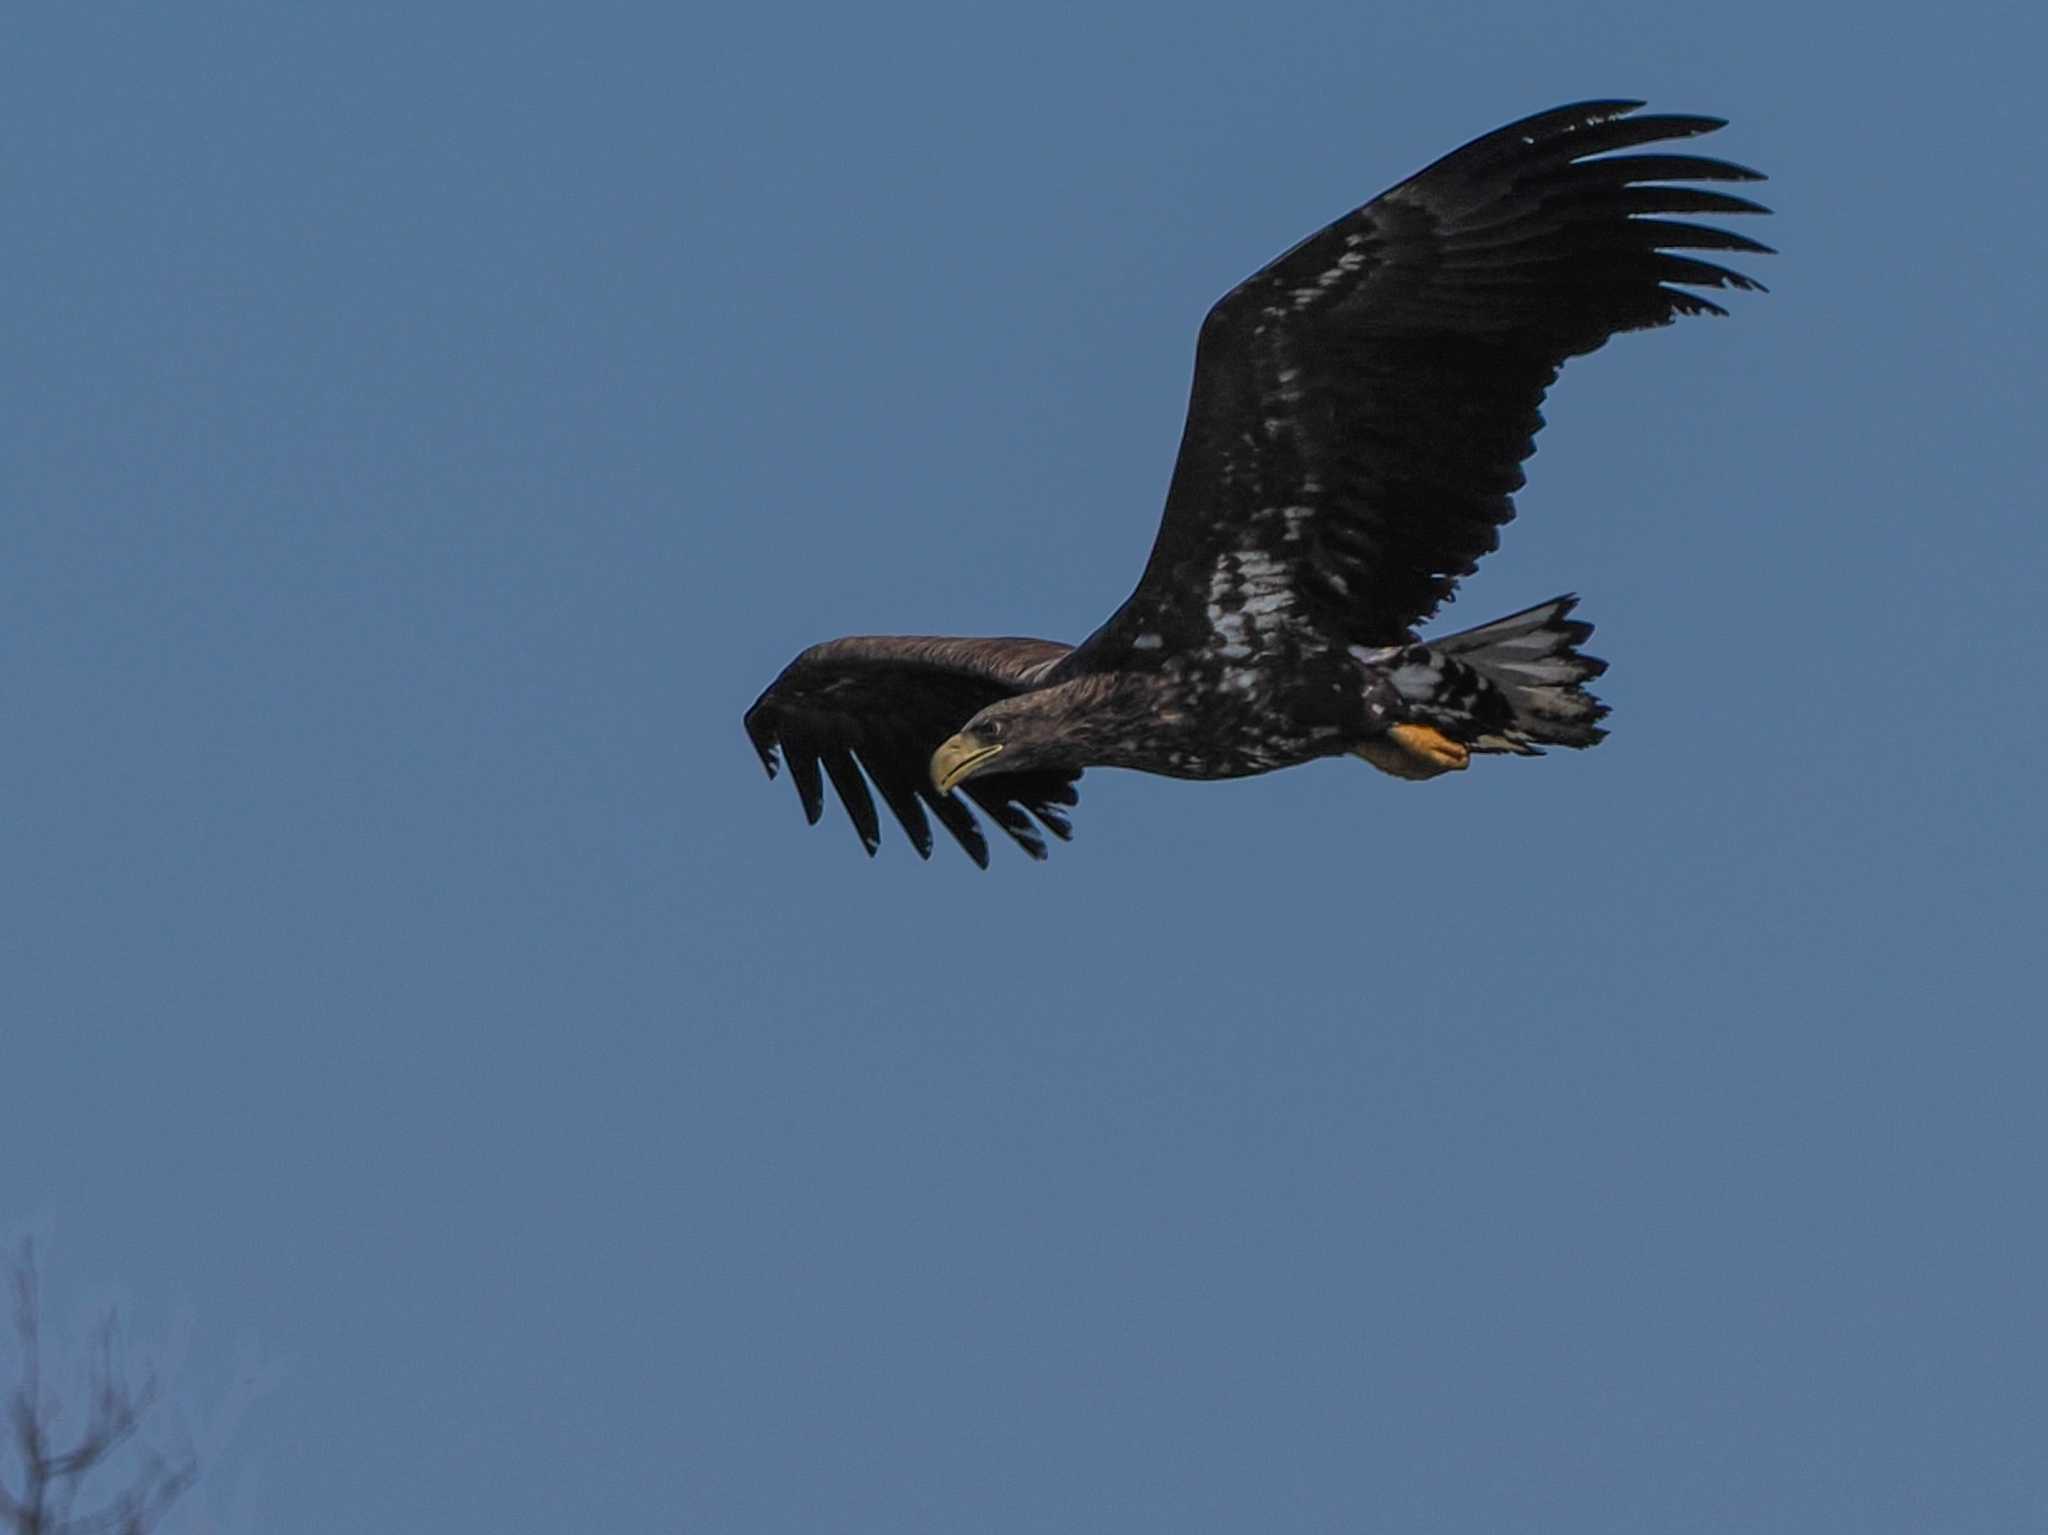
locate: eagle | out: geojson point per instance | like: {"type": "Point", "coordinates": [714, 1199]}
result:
{"type": "Point", "coordinates": [1360, 413]}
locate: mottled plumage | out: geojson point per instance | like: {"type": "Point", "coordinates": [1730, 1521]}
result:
{"type": "Point", "coordinates": [1360, 413]}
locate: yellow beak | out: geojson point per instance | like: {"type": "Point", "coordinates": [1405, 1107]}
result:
{"type": "Point", "coordinates": [960, 757]}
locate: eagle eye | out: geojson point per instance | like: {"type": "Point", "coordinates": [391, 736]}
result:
{"type": "Point", "coordinates": [991, 730]}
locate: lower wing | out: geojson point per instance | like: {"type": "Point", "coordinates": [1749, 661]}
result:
{"type": "Point", "coordinates": [881, 705]}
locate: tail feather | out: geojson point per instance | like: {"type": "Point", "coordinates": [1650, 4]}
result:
{"type": "Point", "coordinates": [1514, 685]}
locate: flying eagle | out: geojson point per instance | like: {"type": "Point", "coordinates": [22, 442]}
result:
{"type": "Point", "coordinates": [1360, 412]}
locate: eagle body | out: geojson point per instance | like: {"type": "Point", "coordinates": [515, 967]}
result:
{"type": "Point", "coordinates": [1259, 719]}
{"type": "Point", "coordinates": [1186, 720]}
{"type": "Point", "coordinates": [1360, 412]}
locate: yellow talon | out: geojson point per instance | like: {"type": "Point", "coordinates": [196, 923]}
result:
{"type": "Point", "coordinates": [1415, 752]}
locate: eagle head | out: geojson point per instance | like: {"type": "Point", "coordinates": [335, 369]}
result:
{"type": "Point", "coordinates": [1085, 722]}
{"type": "Point", "coordinates": [1011, 736]}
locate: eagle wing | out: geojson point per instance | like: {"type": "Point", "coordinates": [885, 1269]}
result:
{"type": "Point", "coordinates": [883, 704]}
{"type": "Point", "coordinates": [1362, 406]}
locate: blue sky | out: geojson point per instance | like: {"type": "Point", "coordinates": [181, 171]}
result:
{"type": "Point", "coordinates": [430, 427]}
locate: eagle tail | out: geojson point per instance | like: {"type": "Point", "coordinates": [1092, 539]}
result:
{"type": "Point", "coordinates": [1514, 685]}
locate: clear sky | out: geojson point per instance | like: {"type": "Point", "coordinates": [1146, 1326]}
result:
{"type": "Point", "coordinates": [428, 427]}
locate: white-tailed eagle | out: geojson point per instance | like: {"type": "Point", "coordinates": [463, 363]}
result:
{"type": "Point", "coordinates": [1360, 413]}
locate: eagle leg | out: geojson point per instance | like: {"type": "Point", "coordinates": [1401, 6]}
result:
{"type": "Point", "coordinates": [1414, 752]}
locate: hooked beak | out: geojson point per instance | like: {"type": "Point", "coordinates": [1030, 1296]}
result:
{"type": "Point", "coordinates": [961, 757]}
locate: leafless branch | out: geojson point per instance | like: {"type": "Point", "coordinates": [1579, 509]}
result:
{"type": "Point", "coordinates": [39, 1494]}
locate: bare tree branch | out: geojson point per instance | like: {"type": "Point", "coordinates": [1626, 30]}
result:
{"type": "Point", "coordinates": [39, 1495]}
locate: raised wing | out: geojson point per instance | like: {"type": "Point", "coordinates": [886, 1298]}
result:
{"type": "Point", "coordinates": [883, 704]}
{"type": "Point", "coordinates": [1362, 407]}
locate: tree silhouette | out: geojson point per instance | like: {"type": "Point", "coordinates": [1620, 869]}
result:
{"type": "Point", "coordinates": [77, 1461]}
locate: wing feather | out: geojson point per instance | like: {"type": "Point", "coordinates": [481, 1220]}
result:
{"type": "Point", "coordinates": [853, 794]}
{"type": "Point", "coordinates": [803, 771]}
